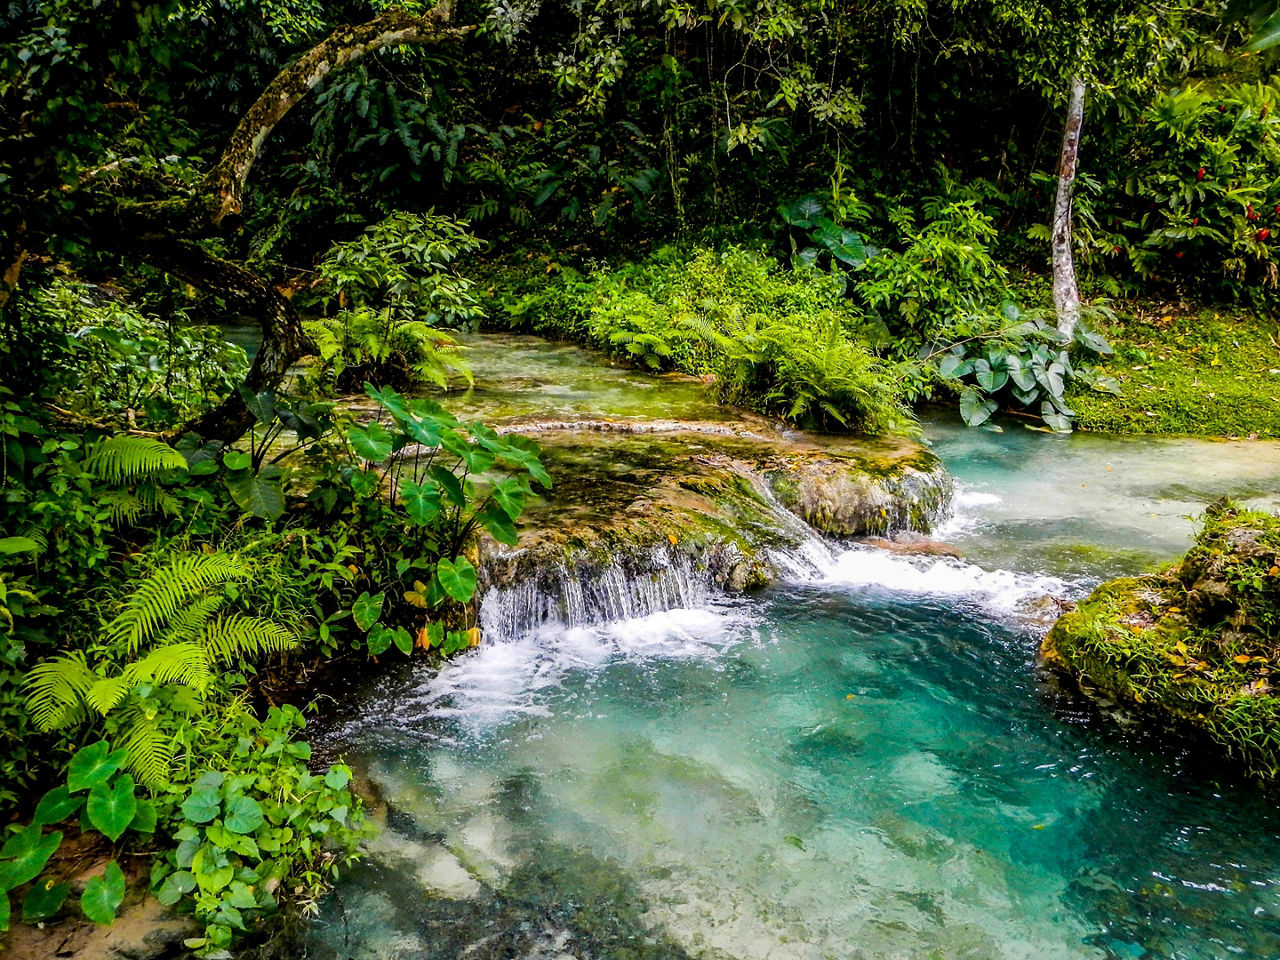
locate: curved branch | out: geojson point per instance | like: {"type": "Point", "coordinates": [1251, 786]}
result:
{"type": "Point", "coordinates": [283, 340]}
{"type": "Point", "coordinates": [224, 185]}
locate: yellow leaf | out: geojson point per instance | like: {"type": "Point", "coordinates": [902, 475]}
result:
{"type": "Point", "coordinates": [474, 634]}
{"type": "Point", "coordinates": [672, 538]}
{"type": "Point", "coordinates": [1178, 676]}
{"type": "Point", "coordinates": [1274, 572]}
{"type": "Point", "coordinates": [1243, 658]}
{"type": "Point", "coordinates": [422, 640]}
{"type": "Point", "coordinates": [1182, 648]}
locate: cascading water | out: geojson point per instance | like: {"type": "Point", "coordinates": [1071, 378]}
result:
{"type": "Point", "coordinates": [859, 762]}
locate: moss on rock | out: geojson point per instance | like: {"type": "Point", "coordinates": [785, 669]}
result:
{"type": "Point", "coordinates": [1199, 641]}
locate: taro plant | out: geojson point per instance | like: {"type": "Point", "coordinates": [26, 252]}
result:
{"type": "Point", "coordinates": [108, 803]}
{"type": "Point", "coordinates": [421, 485]}
{"type": "Point", "coordinates": [1029, 362]}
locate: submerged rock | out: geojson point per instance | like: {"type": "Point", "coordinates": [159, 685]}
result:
{"type": "Point", "coordinates": [1198, 642]}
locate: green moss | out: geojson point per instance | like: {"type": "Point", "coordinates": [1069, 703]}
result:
{"type": "Point", "coordinates": [1199, 641]}
{"type": "Point", "coordinates": [1206, 373]}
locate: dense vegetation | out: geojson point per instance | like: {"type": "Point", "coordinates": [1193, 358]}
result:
{"type": "Point", "coordinates": [832, 212]}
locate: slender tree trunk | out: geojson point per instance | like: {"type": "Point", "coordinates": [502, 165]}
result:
{"type": "Point", "coordinates": [1066, 295]}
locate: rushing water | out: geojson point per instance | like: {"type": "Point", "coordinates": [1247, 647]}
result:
{"type": "Point", "coordinates": [864, 762]}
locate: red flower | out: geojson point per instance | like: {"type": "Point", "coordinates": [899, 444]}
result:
{"type": "Point", "coordinates": [1199, 174]}
{"type": "Point", "coordinates": [1195, 222]}
{"type": "Point", "coordinates": [1249, 214]}
{"type": "Point", "coordinates": [1263, 234]}
{"type": "Point", "coordinates": [1116, 249]}
{"type": "Point", "coordinates": [1178, 255]}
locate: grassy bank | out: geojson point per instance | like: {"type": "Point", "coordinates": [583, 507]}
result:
{"type": "Point", "coordinates": [1184, 371]}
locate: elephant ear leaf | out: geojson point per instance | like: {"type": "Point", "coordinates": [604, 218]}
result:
{"type": "Point", "coordinates": [458, 578]}
{"type": "Point", "coordinates": [25, 855]}
{"type": "Point", "coordinates": [103, 895]}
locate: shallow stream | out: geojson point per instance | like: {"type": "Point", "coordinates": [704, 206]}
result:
{"type": "Point", "coordinates": [864, 762]}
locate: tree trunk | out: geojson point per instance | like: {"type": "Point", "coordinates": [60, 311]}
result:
{"type": "Point", "coordinates": [283, 341]}
{"type": "Point", "coordinates": [1066, 295]}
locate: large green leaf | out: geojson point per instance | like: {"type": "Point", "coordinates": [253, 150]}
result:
{"type": "Point", "coordinates": [58, 804]}
{"type": "Point", "coordinates": [367, 609]}
{"type": "Point", "coordinates": [509, 495]}
{"type": "Point", "coordinates": [421, 500]}
{"type": "Point", "coordinates": [18, 545]}
{"type": "Point", "coordinates": [989, 378]}
{"type": "Point", "coordinates": [259, 495]}
{"type": "Point", "coordinates": [111, 808]}
{"type": "Point", "coordinates": [451, 485]}
{"type": "Point", "coordinates": [372, 443]}
{"type": "Point", "coordinates": [261, 405]}
{"type": "Point", "coordinates": [43, 900]}
{"type": "Point", "coordinates": [174, 886]}
{"type": "Point", "coordinates": [4, 912]}
{"type": "Point", "coordinates": [1267, 35]}
{"type": "Point", "coordinates": [458, 578]}
{"type": "Point", "coordinates": [103, 895]}
{"type": "Point", "coordinates": [25, 855]}
{"type": "Point", "coordinates": [497, 521]}
{"type": "Point", "coordinates": [244, 815]}
{"type": "Point", "coordinates": [1022, 377]}
{"type": "Point", "coordinates": [379, 640]}
{"type": "Point", "coordinates": [202, 805]}
{"type": "Point", "coordinates": [94, 764]}
{"type": "Point", "coordinates": [975, 408]}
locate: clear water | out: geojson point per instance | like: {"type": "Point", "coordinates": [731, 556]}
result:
{"type": "Point", "coordinates": [864, 765]}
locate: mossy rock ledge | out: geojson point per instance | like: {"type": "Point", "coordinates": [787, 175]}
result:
{"type": "Point", "coordinates": [1198, 642]}
{"type": "Point", "coordinates": [674, 507]}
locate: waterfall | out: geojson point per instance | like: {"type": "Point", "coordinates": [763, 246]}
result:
{"type": "Point", "coordinates": [584, 596]}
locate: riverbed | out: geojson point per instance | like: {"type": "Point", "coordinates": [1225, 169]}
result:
{"type": "Point", "coordinates": [863, 761]}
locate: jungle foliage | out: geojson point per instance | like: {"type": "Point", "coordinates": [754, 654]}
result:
{"type": "Point", "coordinates": [829, 211]}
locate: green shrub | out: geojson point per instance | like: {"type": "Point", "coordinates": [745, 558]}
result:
{"type": "Point", "coordinates": [785, 342]}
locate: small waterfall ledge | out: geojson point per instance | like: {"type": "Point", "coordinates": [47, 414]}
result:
{"type": "Point", "coordinates": [641, 521]}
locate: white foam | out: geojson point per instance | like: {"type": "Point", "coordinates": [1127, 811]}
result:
{"type": "Point", "coordinates": [1000, 590]}
{"type": "Point", "coordinates": [488, 686]}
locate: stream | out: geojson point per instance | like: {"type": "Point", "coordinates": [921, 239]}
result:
{"type": "Point", "coordinates": [862, 761]}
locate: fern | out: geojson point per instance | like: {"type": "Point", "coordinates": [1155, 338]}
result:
{"type": "Point", "coordinates": [173, 641]}
{"type": "Point", "coordinates": [56, 689]}
{"type": "Point", "coordinates": [159, 597]}
{"type": "Point", "coordinates": [129, 459]}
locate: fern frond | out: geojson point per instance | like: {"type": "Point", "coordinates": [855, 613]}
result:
{"type": "Point", "coordinates": [159, 500]}
{"type": "Point", "coordinates": [127, 459]}
{"type": "Point", "coordinates": [122, 506]}
{"type": "Point", "coordinates": [158, 598]}
{"type": "Point", "coordinates": [187, 625]}
{"type": "Point", "coordinates": [55, 690]}
{"type": "Point", "coordinates": [107, 694]}
{"type": "Point", "coordinates": [182, 663]}
{"type": "Point", "coordinates": [150, 756]}
{"type": "Point", "coordinates": [239, 637]}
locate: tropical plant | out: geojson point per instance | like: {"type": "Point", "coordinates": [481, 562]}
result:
{"type": "Point", "coordinates": [157, 663]}
{"type": "Point", "coordinates": [1030, 362]}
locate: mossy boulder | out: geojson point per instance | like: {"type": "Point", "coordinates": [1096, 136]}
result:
{"type": "Point", "coordinates": [1199, 642]}
{"type": "Point", "coordinates": [675, 507]}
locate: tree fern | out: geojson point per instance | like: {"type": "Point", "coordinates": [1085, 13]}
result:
{"type": "Point", "coordinates": [128, 459]}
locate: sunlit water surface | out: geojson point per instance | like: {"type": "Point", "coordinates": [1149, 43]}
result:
{"type": "Point", "coordinates": [866, 764]}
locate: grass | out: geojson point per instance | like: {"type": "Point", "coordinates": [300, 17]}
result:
{"type": "Point", "coordinates": [1206, 372]}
